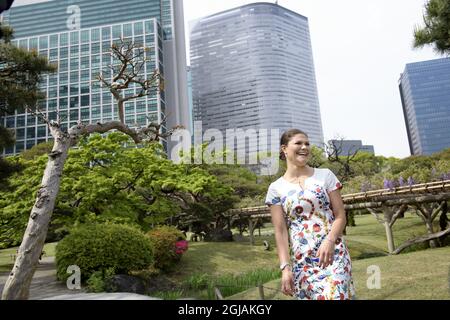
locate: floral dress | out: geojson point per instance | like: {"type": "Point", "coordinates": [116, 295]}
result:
{"type": "Point", "coordinates": [309, 218]}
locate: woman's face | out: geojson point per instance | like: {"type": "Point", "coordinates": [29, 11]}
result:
{"type": "Point", "coordinates": [297, 150]}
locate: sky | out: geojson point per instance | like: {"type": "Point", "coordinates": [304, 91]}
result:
{"type": "Point", "coordinates": [360, 48]}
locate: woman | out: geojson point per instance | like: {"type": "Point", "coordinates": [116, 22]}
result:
{"type": "Point", "coordinates": [309, 218]}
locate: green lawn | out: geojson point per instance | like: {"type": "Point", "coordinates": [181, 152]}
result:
{"type": "Point", "coordinates": [369, 236]}
{"type": "Point", "coordinates": [411, 276]}
{"type": "Point", "coordinates": [7, 256]}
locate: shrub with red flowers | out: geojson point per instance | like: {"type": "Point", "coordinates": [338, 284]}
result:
{"type": "Point", "coordinates": [168, 244]}
{"type": "Point", "coordinates": [181, 247]}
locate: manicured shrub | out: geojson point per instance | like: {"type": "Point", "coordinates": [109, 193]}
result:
{"type": "Point", "coordinates": [168, 245]}
{"type": "Point", "coordinates": [102, 247]}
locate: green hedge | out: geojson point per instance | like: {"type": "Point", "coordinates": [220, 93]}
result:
{"type": "Point", "coordinates": [102, 247]}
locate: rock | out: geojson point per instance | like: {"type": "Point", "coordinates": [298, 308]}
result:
{"type": "Point", "coordinates": [219, 236]}
{"type": "Point", "coordinates": [239, 238]}
{"type": "Point", "coordinates": [125, 283]}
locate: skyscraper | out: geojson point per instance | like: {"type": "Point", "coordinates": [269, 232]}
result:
{"type": "Point", "coordinates": [425, 94]}
{"type": "Point", "coordinates": [252, 68]}
{"type": "Point", "coordinates": [76, 35]}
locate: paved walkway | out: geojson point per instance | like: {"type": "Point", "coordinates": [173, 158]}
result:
{"type": "Point", "coordinates": [45, 286]}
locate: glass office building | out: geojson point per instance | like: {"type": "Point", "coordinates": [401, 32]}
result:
{"type": "Point", "coordinates": [252, 68]}
{"type": "Point", "coordinates": [77, 37]}
{"type": "Point", "coordinates": [425, 94]}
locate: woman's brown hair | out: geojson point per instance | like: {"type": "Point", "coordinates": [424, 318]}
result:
{"type": "Point", "coordinates": [286, 137]}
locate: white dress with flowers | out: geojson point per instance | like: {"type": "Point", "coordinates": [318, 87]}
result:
{"type": "Point", "coordinates": [309, 217]}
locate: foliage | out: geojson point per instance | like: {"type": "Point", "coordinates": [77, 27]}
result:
{"type": "Point", "coordinates": [37, 150]}
{"type": "Point", "coordinates": [99, 247]}
{"type": "Point", "coordinates": [98, 280]}
{"type": "Point", "coordinates": [104, 180]}
{"type": "Point", "coordinates": [391, 172]}
{"type": "Point", "coordinates": [166, 246]}
{"type": "Point", "coordinates": [436, 31]}
{"type": "Point", "coordinates": [20, 74]}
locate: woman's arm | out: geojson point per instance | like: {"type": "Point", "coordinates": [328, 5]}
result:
{"type": "Point", "coordinates": [339, 213]}
{"type": "Point", "coordinates": [282, 241]}
{"type": "Point", "coordinates": [326, 250]}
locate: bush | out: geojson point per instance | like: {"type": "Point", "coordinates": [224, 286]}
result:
{"type": "Point", "coordinates": [102, 247]}
{"type": "Point", "coordinates": [97, 282]}
{"type": "Point", "coordinates": [168, 244]}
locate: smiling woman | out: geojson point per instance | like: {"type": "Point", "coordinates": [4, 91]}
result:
{"type": "Point", "coordinates": [308, 216]}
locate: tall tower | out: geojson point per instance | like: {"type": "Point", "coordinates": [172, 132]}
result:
{"type": "Point", "coordinates": [252, 68]}
{"type": "Point", "coordinates": [76, 35]}
{"type": "Point", "coordinates": [425, 94]}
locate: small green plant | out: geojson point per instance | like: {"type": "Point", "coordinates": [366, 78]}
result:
{"type": "Point", "coordinates": [98, 281]}
{"type": "Point", "coordinates": [198, 281]}
{"type": "Point", "coordinates": [169, 295]}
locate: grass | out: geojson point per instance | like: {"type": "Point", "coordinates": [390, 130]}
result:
{"type": "Point", "coordinates": [368, 238]}
{"type": "Point", "coordinates": [7, 256]}
{"type": "Point", "coordinates": [411, 276]}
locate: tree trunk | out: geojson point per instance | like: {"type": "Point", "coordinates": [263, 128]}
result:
{"type": "Point", "coordinates": [18, 283]}
{"type": "Point", "coordinates": [389, 236]}
{"type": "Point", "coordinates": [430, 230]}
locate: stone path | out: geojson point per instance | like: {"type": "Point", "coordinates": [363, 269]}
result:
{"type": "Point", "coordinates": [45, 286]}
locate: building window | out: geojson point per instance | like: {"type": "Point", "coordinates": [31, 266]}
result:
{"type": "Point", "coordinates": [138, 28]}
{"type": "Point", "coordinates": [95, 35]}
{"type": "Point", "coordinates": [43, 42]}
{"type": "Point", "coordinates": [117, 31]}
{"type": "Point", "coordinates": [74, 63]}
{"type": "Point", "coordinates": [84, 88]}
{"type": "Point", "coordinates": [63, 65]}
{"type": "Point", "coordinates": [84, 113]}
{"type": "Point", "coordinates": [31, 133]}
{"type": "Point", "coordinates": [33, 43]}
{"type": "Point", "coordinates": [31, 120]}
{"type": "Point", "coordinates": [41, 131]}
{"type": "Point", "coordinates": [106, 33]}
{"type": "Point", "coordinates": [74, 103]}
{"type": "Point", "coordinates": [127, 30]}
{"type": "Point", "coordinates": [52, 104]}
{"type": "Point", "coordinates": [149, 27]}
{"type": "Point", "coordinates": [74, 115]}
{"type": "Point", "coordinates": [54, 41]}
{"type": "Point", "coordinates": [63, 90]}
{"type": "Point", "coordinates": [20, 134]}
{"type": "Point", "coordinates": [84, 36]}
{"type": "Point", "coordinates": [20, 121]}
{"type": "Point", "coordinates": [63, 40]}
{"type": "Point", "coordinates": [74, 51]}
{"type": "Point", "coordinates": [85, 101]}
{"type": "Point", "coordinates": [63, 103]}
{"type": "Point", "coordinates": [84, 63]}
{"type": "Point", "coordinates": [95, 48]}
{"type": "Point", "coordinates": [84, 51]}
{"type": "Point", "coordinates": [74, 37]}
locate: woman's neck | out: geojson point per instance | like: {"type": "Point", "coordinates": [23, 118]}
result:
{"type": "Point", "coordinates": [294, 171]}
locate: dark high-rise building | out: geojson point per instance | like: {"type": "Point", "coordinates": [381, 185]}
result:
{"type": "Point", "coordinates": [425, 93]}
{"type": "Point", "coordinates": [252, 68]}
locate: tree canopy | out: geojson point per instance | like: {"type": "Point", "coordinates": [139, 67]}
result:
{"type": "Point", "coordinates": [436, 29]}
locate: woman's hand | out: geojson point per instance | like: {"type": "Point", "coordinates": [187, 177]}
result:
{"type": "Point", "coordinates": [287, 282]}
{"type": "Point", "coordinates": [326, 253]}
